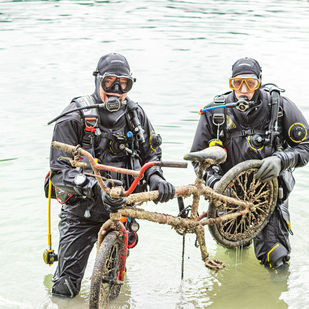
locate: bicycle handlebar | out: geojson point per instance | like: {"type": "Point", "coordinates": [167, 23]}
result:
{"type": "Point", "coordinates": [173, 164]}
{"type": "Point", "coordinates": [78, 151]}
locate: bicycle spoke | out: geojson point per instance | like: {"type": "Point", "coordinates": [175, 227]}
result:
{"type": "Point", "coordinates": [245, 187]}
{"type": "Point", "coordinates": [263, 210]}
{"type": "Point", "coordinates": [227, 223]}
{"type": "Point", "coordinates": [243, 190]}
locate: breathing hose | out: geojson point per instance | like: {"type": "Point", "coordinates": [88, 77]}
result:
{"type": "Point", "coordinates": [49, 256]}
{"type": "Point", "coordinates": [49, 241]}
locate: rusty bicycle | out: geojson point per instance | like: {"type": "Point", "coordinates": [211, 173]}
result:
{"type": "Point", "coordinates": [239, 208]}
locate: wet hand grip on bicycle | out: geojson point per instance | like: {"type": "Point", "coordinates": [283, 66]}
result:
{"type": "Point", "coordinates": [166, 189]}
{"type": "Point", "coordinates": [110, 204]}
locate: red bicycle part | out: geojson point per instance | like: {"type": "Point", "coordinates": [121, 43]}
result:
{"type": "Point", "coordinates": [123, 251]}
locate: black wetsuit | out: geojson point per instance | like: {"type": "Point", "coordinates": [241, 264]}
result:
{"type": "Point", "coordinates": [272, 243]}
{"type": "Point", "coordinates": [81, 218]}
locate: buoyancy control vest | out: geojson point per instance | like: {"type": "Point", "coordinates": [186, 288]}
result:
{"type": "Point", "coordinates": [229, 127]}
{"type": "Point", "coordinates": [269, 136]}
{"type": "Point", "coordinates": [93, 120]}
{"type": "Point", "coordinates": [114, 138]}
{"type": "Point", "coordinates": [90, 121]}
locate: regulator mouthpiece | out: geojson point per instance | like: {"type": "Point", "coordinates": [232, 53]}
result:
{"type": "Point", "coordinates": [243, 104]}
{"type": "Point", "coordinates": [113, 104]}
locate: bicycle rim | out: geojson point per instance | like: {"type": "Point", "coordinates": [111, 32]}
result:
{"type": "Point", "coordinates": [239, 182]}
{"type": "Point", "coordinates": [104, 287]}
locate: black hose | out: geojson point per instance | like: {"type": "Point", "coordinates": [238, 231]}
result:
{"type": "Point", "coordinates": [74, 110]}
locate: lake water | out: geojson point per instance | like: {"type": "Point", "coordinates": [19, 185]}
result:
{"type": "Point", "coordinates": [181, 53]}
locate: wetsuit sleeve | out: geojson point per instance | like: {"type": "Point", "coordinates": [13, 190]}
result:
{"type": "Point", "coordinates": [68, 130]}
{"type": "Point", "coordinates": [297, 152]}
{"type": "Point", "coordinates": [148, 153]}
{"type": "Point", "coordinates": [205, 132]}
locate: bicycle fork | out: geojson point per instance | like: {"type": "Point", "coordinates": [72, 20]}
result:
{"type": "Point", "coordinates": [213, 264]}
{"type": "Point", "coordinates": [123, 253]}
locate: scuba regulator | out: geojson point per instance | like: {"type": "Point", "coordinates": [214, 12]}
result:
{"type": "Point", "coordinates": [113, 104]}
{"type": "Point", "coordinates": [257, 139]}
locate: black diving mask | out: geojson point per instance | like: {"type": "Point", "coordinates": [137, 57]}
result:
{"type": "Point", "coordinates": [112, 83]}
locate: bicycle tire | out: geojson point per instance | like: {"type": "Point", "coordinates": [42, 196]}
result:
{"type": "Point", "coordinates": [104, 287]}
{"type": "Point", "coordinates": [239, 182]}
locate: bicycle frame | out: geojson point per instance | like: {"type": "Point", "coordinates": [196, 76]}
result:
{"type": "Point", "coordinates": [192, 224]}
{"type": "Point", "coordinates": [232, 221]}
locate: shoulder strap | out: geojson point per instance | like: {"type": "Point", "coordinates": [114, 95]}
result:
{"type": "Point", "coordinates": [90, 122]}
{"type": "Point", "coordinates": [219, 114]}
{"type": "Point", "coordinates": [134, 122]}
{"type": "Point", "coordinates": [275, 100]}
{"type": "Point", "coordinates": [84, 101]}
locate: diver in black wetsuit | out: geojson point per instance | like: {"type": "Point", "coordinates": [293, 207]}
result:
{"type": "Point", "coordinates": [118, 133]}
{"type": "Point", "coordinates": [246, 134]}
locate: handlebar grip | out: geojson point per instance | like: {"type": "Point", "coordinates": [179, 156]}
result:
{"type": "Point", "coordinates": [62, 146]}
{"type": "Point", "coordinates": [174, 164]}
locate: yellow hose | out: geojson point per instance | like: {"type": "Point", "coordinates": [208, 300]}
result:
{"type": "Point", "coordinates": [49, 203]}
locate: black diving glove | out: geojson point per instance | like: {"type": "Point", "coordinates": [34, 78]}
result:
{"type": "Point", "coordinates": [166, 189]}
{"type": "Point", "coordinates": [110, 204]}
{"type": "Point", "coordinates": [270, 169]}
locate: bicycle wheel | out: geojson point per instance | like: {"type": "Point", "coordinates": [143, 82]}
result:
{"type": "Point", "coordinates": [240, 183]}
{"type": "Point", "coordinates": [104, 285]}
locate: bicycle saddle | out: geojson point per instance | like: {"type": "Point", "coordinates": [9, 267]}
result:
{"type": "Point", "coordinates": [215, 155]}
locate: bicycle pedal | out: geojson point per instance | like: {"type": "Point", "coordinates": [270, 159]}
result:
{"type": "Point", "coordinates": [109, 281]}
